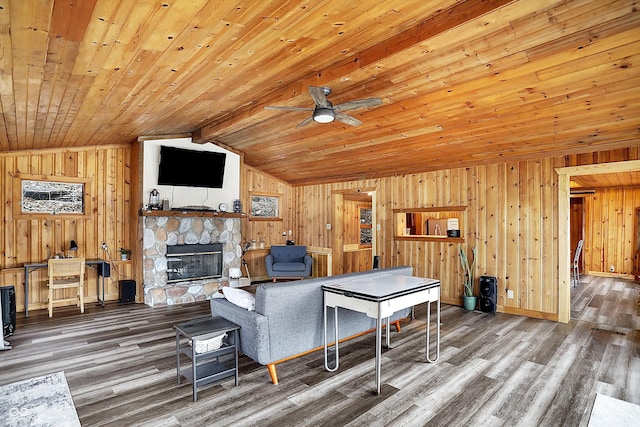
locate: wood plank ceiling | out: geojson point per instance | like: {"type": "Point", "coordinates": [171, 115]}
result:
{"type": "Point", "coordinates": [462, 82]}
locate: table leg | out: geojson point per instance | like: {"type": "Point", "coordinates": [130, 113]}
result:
{"type": "Point", "coordinates": [378, 347]}
{"type": "Point", "coordinates": [235, 343]}
{"type": "Point", "coordinates": [388, 332]}
{"type": "Point", "coordinates": [326, 352]}
{"type": "Point", "coordinates": [26, 291]}
{"type": "Point", "coordinates": [178, 354]}
{"type": "Point", "coordinates": [193, 370]}
{"type": "Point", "coordinates": [428, 357]}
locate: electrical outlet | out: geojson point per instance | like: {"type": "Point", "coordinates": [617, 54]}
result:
{"type": "Point", "coordinates": [509, 294]}
{"type": "Point", "coordinates": [328, 226]}
{"type": "Point", "coordinates": [104, 246]}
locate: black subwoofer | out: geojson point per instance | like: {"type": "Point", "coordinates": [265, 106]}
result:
{"type": "Point", "coordinates": [127, 291]}
{"type": "Point", "coordinates": [8, 301]}
{"type": "Point", "coordinates": [488, 294]}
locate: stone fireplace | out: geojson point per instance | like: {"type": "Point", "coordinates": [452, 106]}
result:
{"type": "Point", "coordinates": [166, 237]}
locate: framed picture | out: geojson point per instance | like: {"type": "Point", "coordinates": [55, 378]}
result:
{"type": "Point", "coordinates": [265, 206]}
{"type": "Point", "coordinates": [64, 197]}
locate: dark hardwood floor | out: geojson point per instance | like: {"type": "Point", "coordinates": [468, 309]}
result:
{"type": "Point", "coordinates": [493, 370]}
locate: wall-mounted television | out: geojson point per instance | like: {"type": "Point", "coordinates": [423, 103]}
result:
{"type": "Point", "coordinates": [191, 168]}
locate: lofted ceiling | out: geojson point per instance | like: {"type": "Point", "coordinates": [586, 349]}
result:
{"type": "Point", "coordinates": [461, 82]}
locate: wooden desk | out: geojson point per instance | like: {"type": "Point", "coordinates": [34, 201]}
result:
{"type": "Point", "coordinates": [89, 262]}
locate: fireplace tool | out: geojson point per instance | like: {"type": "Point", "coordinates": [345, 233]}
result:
{"type": "Point", "coordinates": [244, 261]}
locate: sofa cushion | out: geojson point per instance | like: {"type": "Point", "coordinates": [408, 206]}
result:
{"type": "Point", "coordinates": [288, 254]}
{"type": "Point", "coordinates": [240, 297]}
{"type": "Point", "coordinates": [289, 266]}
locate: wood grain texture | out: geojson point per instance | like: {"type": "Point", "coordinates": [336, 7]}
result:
{"type": "Point", "coordinates": [462, 84]}
{"type": "Point", "coordinates": [38, 238]}
{"type": "Point", "coordinates": [494, 369]}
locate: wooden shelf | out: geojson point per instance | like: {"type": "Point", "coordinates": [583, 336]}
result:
{"type": "Point", "coordinates": [416, 220]}
{"type": "Point", "coordinates": [209, 214]}
{"type": "Point", "coordinates": [431, 239]}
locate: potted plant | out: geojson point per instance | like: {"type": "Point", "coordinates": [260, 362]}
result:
{"type": "Point", "coordinates": [468, 298]}
{"type": "Point", "coordinates": [124, 254]}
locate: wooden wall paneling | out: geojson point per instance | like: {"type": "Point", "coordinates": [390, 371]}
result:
{"type": "Point", "coordinates": [512, 249]}
{"type": "Point", "coordinates": [629, 208]}
{"type": "Point", "coordinates": [502, 236]}
{"type": "Point", "coordinates": [476, 227]}
{"type": "Point", "coordinates": [337, 241]}
{"type": "Point", "coordinates": [595, 262]}
{"type": "Point", "coordinates": [35, 240]}
{"type": "Point", "coordinates": [491, 239]}
{"type": "Point", "coordinates": [535, 221]}
{"type": "Point", "coordinates": [523, 236]}
{"type": "Point", "coordinates": [549, 277]}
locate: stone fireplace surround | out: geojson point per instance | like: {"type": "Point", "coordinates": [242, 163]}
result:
{"type": "Point", "coordinates": [161, 231]}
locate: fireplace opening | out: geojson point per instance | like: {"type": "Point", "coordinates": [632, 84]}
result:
{"type": "Point", "coordinates": [193, 262]}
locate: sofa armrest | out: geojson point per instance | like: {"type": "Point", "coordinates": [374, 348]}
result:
{"type": "Point", "coordinates": [254, 328]}
{"type": "Point", "coordinates": [268, 260]}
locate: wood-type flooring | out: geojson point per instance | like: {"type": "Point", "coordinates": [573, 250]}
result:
{"type": "Point", "coordinates": [494, 370]}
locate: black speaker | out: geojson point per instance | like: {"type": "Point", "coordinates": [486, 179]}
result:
{"type": "Point", "coordinates": [488, 294]}
{"type": "Point", "coordinates": [8, 301]}
{"type": "Point", "coordinates": [104, 269]}
{"type": "Point", "coordinates": [127, 291]}
{"type": "Point", "coordinates": [376, 262]}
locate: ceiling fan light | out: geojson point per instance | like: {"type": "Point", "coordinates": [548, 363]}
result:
{"type": "Point", "coordinates": [323, 115]}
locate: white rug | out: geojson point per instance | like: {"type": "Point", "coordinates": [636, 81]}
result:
{"type": "Point", "coordinates": [39, 401]}
{"type": "Point", "coordinates": [608, 411]}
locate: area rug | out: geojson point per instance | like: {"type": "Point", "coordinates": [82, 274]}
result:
{"type": "Point", "coordinates": [608, 411]}
{"type": "Point", "coordinates": [39, 401]}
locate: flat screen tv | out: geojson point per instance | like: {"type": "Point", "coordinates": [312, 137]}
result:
{"type": "Point", "coordinates": [191, 168]}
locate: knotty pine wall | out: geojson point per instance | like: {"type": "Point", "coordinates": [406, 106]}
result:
{"type": "Point", "coordinates": [609, 228]}
{"type": "Point", "coordinates": [268, 231]}
{"type": "Point", "coordinates": [32, 240]}
{"type": "Point", "coordinates": [511, 217]}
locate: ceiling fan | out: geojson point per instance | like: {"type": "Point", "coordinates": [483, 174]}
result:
{"type": "Point", "coordinates": [325, 111]}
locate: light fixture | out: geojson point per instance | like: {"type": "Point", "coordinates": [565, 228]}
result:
{"type": "Point", "coordinates": [323, 115]}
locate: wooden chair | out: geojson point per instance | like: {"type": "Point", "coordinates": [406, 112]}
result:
{"type": "Point", "coordinates": [66, 273]}
{"type": "Point", "coordinates": [575, 270]}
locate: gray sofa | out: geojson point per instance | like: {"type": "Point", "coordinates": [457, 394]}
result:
{"type": "Point", "coordinates": [288, 318]}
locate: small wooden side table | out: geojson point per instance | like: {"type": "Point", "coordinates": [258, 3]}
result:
{"type": "Point", "coordinates": [209, 365]}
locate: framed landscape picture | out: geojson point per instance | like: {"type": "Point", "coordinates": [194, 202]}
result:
{"type": "Point", "coordinates": [265, 206]}
{"type": "Point", "coordinates": [53, 196]}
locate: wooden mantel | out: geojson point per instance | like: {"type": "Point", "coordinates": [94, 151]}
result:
{"type": "Point", "coordinates": [204, 214]}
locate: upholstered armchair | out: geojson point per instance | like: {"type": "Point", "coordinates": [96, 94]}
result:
{"type": "Point", "coordinates": [288, 262]}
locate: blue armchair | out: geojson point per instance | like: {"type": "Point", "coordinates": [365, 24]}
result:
{"type": "Point", "coordinates": [288, 262]}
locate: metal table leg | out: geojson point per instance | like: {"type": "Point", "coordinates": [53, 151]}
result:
{"type": "Point", "coordinates": [379, 346]}
{"type": "Point", "coordinates": [326, 353]}
{"type": "Point", "coordinates": [437, 332]}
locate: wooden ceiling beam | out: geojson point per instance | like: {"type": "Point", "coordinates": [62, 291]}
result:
{"type": "Point", "coordinates": [439, 23]}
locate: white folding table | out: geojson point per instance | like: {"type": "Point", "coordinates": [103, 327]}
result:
{"type": "Point", "coordinates": [379, 298]}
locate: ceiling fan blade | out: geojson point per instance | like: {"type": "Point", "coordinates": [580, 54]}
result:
{"type": "Point", "coordinates": [278, 107]}
{"type": "Point", "coordinates": [347, 119]}
{"type": "Point", "coordinates": [319, 96]}
{"type": "Point", "coordinates": [305, 122]}
{"type": "Point", "coordinates": [358, 103]}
